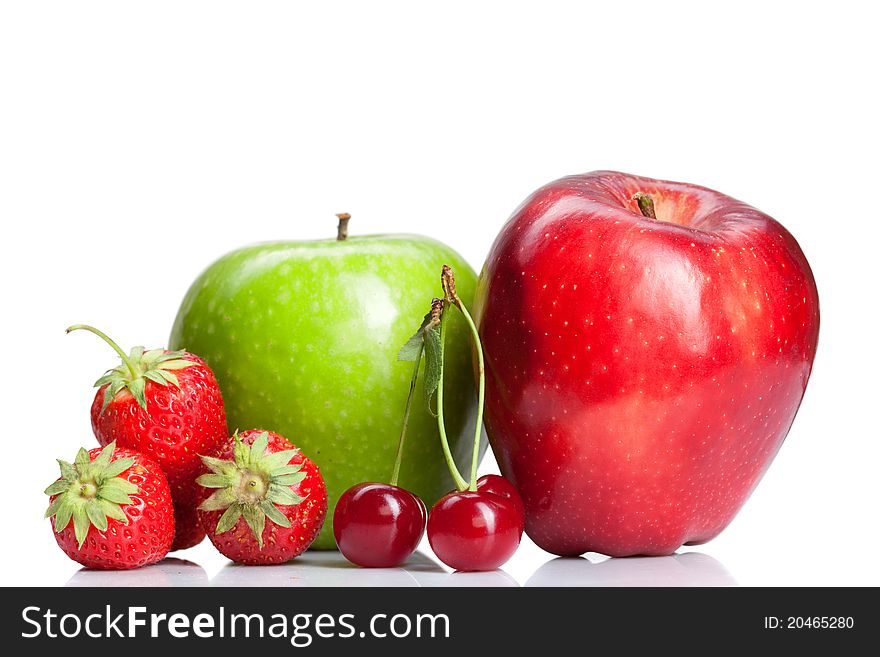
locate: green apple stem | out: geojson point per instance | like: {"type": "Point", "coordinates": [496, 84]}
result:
{"type": "Point", "coordinates": [412, 388]}
{"type": "Point", "coordinates": [342, 227]}
{"type": "Point", "coordinates": [125, 359]}
{"type": "Point", "coordinates": [460, 482]}
{"type": "Point", "coordinates": [646, 204]}
{"type": "Point", "coordinates": [448, 281]}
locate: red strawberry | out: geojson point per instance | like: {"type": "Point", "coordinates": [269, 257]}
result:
{"type": "Point", "coordinates": [111, 509]}
{"type": "Point", "coordinates": [188, 530]}
{"type": "Point", "coordinates": [166, 404]}
{"type": "Point", "coordinates": [258, 477]}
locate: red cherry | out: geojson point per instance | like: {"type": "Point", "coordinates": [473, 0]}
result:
{"type": "Point", "coordinates": [498, 485]}
{"type": "Point", "coordinates": [474, 530]}
{"type": "Point", "coordinates": [378, 525]}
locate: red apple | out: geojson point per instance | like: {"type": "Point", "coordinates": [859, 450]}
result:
{"type": "Point", "coordinates": [642, 372]}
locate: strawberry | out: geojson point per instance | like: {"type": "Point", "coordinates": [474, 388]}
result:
{"type": "Point", "coordinates": [166, 404]}
{"type": "Point", "coordinates": [111, 509]}
{"type": "Point", "coordinates": [258, 477]}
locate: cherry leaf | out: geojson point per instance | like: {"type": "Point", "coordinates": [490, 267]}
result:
{"type": "Point", "coordinates": [411, 351]}
{"type": "Point", "coordinates": [433, 363]}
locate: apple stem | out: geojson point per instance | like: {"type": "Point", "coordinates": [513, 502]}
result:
{"type": "Point", "coordinates": [412, 388]}
{"type": "Point", "coordinates": [460, 482]}
{"type": "Point", "coordinates": [447, 279]}
{"type": "Point", "coordinates": [646, 204]}
{"type": "Point", "coordinates": [125, 359]}
{"type": "Point", "coordinates": [342, 228]}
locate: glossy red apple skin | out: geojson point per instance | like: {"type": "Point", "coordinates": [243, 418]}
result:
{"type": "Point", "coordinates": [641, 373]}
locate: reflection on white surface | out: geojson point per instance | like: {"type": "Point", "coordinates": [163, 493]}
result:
{"type": "Point", "coordinates": [439, 577]}
{"type": "Point", "coordinates": [168, 572]}
{"type": "Point", "coordinates": [331, 569]}
{"type": "Point", "coordinates": [321, 569]}
{"type": "Point", "coordinates": [687, 569]}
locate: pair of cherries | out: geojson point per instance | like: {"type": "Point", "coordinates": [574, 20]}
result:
{"type": "Point", "coordinates": [378, 525]}
{"type": "Point", "coordinates": [476, 527]}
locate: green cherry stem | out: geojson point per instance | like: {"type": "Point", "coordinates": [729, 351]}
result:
{"type": "Point", "coordinates": [460, 482]}
{"type": "Point", "coordinates": [447, 279]}
{"type": "Point", "coordinates": [481, 394]}
{"type": "Point", "coordinates": [412, 388]}
{"type": "Point", "coordinates": [125, 359]}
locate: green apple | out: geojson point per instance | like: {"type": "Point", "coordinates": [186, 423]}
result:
{"type": "Point", "coordinates": [303, 338]}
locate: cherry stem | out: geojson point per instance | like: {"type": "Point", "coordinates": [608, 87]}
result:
{"type": "Point", "coordinates": [646, 204]}
{"type": "Point", "coordinates": [342, 228]}
{"type": "Point", "coordinates": [125, 359]}
{"type": "Point", "coordinates": [481, 394]}
{"type": "Point", "coordinates": [412, 388]}
{"type": "Point", "coordinates": [447, 280]}
{"type": "Point", "coordinates": [460, 482]}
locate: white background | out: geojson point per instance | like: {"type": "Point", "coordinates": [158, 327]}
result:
{"type": "Point", "coordinates": [139, 141]}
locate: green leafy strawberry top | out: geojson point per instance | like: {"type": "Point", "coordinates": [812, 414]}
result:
{"type": "Point", "coordinates": [252, 485]}
{"type": "Point", "coordinates": [90, 492]}
{"type": "Point", "coordinates": [137, 367]}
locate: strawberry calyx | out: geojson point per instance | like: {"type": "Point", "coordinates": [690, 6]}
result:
{"type": "Point", "coordinates": [137, 367]}
{"type": "Point", "coordinates": [89, 492]}
{"type": "Point", "coordinates": [252, 485]}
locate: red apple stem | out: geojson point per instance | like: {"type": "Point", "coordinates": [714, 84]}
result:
{"type": "Point", "coordinates": [342, 227]}
{"type": "Point", "coordinates": [395, 474]}
{"type": "Point", "coordinates": [447, 279]}
{"type": "Point", "coordinates": [646, 204]}
{"type": "Point", "coordinates": [125, 359]}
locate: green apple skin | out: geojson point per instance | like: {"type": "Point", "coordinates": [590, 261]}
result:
{"type": "Point", "coordinates": [303, 338]}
